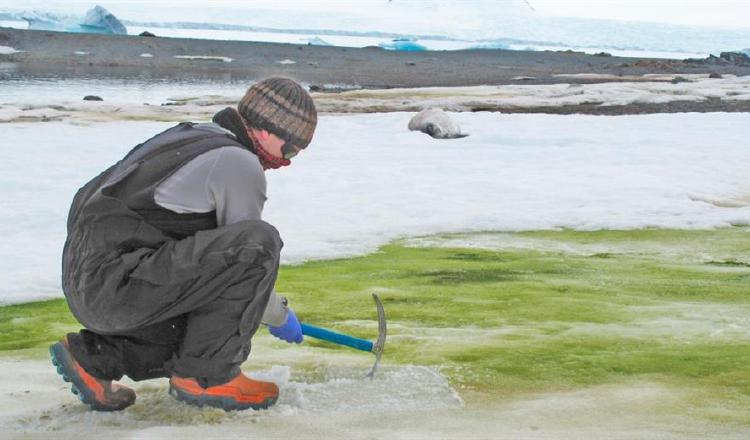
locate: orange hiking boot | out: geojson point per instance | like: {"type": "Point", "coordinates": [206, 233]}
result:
{"type": "Point", "coordinates": [239, 393]}
{"type": "Point", "coordinates": [99, 394]}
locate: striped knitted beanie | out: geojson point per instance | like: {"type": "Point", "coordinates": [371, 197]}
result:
{"type": "Point", "coordinates": [282, 107]}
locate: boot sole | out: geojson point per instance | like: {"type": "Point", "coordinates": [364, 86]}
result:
{"type": "Point", "coordinates": [225, 403]}
{"type": "Point", "coordinates": [63, 363]}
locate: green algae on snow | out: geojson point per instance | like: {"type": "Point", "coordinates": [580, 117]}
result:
{"type": "Point", "coordinates": [555, 310]}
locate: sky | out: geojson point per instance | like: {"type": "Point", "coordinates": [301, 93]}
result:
{"type": "Point", "coordinates": [724, 13]}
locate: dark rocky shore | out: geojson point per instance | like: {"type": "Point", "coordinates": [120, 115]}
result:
{"type": "Point", "coordinates": [121, 55]}
{"type": "Point", "coordinates": [332, 69]}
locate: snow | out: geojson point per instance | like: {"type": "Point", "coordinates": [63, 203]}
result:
{"type": "Point", "coordinates": [366, 180]}
{"type": "Point", "coordinates": [204, 57]}
{"type": "Point", "coordinates": [7, 50]}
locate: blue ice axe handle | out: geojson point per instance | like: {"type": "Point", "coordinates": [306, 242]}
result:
{"type": "Point", "coordinates": [336, 338]}
{"type": "Point", "coordinates": [350, 341]}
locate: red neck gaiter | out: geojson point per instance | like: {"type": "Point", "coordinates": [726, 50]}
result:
{"type": "Point", "coordinates": [267, 160]}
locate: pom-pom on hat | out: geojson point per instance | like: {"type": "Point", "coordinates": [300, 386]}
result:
{"type": "Point", "coordinates": [282, 107]}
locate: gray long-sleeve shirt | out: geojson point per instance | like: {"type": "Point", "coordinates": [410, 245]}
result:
{"type": "Point", "coordinates": [231, 181]}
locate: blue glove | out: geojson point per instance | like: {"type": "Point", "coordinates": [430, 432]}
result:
{"type": "Point", "coordinates": [290, 331]}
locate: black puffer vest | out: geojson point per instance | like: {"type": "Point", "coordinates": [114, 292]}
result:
{"type": "Point", "coordinates": [115, 213]}
{"type": "Point", "coordinates": [157, 160]}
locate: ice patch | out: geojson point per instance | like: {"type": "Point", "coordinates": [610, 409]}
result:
{"type": "Point", "coordinates": [204, 58]}
{"type": "Point", "coordinates": [691, 252]}
{"type": "Point", "coordinates": [81, 53]}
{"type": "Point", "coordinates": [403, 45]}
{"type": "Point", "coordinates": [286, 61]}
{"type": "Point", "coordinates": [317, 41]}
{"type": "Point", "coordinates": [7, 50]}
{"type": "Point", "coordinates": [410, 388]}
{"type": "Point", "coordinates": [146, 55]}
{"type": "Point", "coordinates": [685, 322]}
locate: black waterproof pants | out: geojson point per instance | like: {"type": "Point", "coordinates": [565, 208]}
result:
{"type": "Point", "coordinates": [190, 308]}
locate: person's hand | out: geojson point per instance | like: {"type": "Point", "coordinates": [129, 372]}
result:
{"type": "Point", "coordinates": [290, 331]}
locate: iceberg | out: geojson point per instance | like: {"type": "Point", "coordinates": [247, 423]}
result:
{"type": "Point", "coordinates": [48, 22]}
{"type": "Point", "coordinates": [101, 21]}
{"type": "Point", "coordinates": [404, 44]}
{"type": "Point", "coordinates": [97, 21]}
{"type": "Point", "coordinates": [317, 41]}
{"type": "Point", "coordinates": [491, 45]}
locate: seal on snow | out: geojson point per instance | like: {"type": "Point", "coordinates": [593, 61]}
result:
{"type": "Point", "coordinates": [436, 123]}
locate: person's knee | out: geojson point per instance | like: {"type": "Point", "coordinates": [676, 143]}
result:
{"type": "Point", "coordinates": [259, 232]}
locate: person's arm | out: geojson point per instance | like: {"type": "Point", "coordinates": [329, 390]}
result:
{"type": "Point", "coordinates": [237, 185]}
{"type": "Point", "coordinates": [276, 311]}
{"type": "Point", "coordinates": [229, 180]}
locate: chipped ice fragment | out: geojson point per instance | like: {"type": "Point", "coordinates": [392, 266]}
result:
{"type": "Point", "coordinates": [6, 50]}
{"type": "Point", "coordinates": [204, 58]}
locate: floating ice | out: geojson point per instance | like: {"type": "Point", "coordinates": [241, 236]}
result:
{"type": "Point", "coordinates": [204, 58]}
{"type": "Point", "coordinates": [50, 22]}
{"type": "Point", "coordinates": [403, 44]}
{"type": "Point", "coordinates": [317, 41]}
{"type": "Point", "coordinates": [100, 20]}
{"type": "Point", "coordinates": [7, 50]}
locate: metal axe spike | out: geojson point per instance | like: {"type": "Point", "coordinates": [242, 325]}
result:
{"type": "Point", "coordinates": [350, 341]}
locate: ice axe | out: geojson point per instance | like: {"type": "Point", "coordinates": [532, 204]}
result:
{"type": "Point", "coordinates": [350, 341]}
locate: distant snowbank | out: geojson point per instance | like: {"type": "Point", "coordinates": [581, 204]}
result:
{"type": "Point", "coordinates": [437, 25]}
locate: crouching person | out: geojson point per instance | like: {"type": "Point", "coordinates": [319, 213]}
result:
{"type": "Point", "coordinates": [168, 265]}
